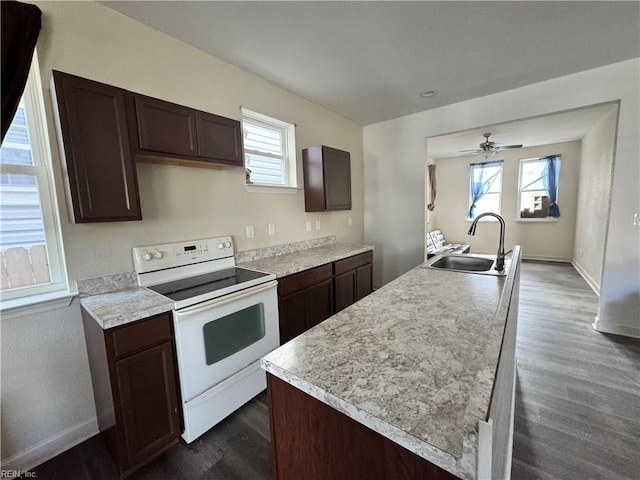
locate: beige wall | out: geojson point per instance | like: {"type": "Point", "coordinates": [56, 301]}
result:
{"type": "Point", "coordinates": [541, 240]}
{"type": "Point", "coordinates": [178, 203]}
{"type": "Point", "coordinates": [594, 192]}
{"type": "Point", "coordinates": [395, 156]}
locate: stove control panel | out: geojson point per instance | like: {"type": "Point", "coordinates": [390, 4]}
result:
{"type": "Point", "coordinates": [169, 255]}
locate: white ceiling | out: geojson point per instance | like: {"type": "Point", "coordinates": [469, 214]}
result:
{"type": "Point", "coordinates": [545, 130]}
{"type": "Point", "coordinates": [368, 61]}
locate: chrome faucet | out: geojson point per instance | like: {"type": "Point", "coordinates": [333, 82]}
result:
{"type": "Point", "coordinates": [500, 256]}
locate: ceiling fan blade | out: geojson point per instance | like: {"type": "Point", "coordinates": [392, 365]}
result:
{"type": "Point", "coordinates": [507, 147]}
{"type": "Point", "coordinates": [471, 154]}
{"type": "Point", "coordinates": [470, 150]}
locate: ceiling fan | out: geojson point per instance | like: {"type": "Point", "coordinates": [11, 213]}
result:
{"type": "Point", "coordinates": [488, 149]}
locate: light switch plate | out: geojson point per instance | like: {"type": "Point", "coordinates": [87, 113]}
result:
{"type": "Point", "coordinates": [350, 221]}
{"type": "Point", "coordinates": [317, 224]}
{"type": "Point", "coordinates": [249, 231]}
{"type": "Point", "coordinates": [308, 226]}
{"type": "Point", "coordinates": [272, 229]}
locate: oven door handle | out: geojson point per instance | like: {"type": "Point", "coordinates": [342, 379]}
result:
{"type": "Point", "coordinates": [194, 309]}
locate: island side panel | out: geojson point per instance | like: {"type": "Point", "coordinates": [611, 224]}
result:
{"type": "Point", "coordinates": [313, 441]}
{"type": "Point", "coordinates": [503, 399]}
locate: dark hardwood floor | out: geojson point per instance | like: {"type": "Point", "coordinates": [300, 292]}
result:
{"type": "Point", "coordinates": [236, 449]}
{"type": "Point", "coordinates": [577, 413]}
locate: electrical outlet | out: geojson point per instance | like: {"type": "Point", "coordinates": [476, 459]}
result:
{"type": "Point", "coordinates": [350, 221]}
{"type": "Point", "coordinates": [317, 224]}
{"type": "Point", "coordinates": [249, 231]}
{"type": "Point", "coordinates": [308, 226]}
{"type": "Point", "coordinates": [272, 229]}
{"type": "Point", "coordinates": [636, 219]}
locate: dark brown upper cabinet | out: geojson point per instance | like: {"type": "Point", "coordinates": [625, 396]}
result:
{"type": "Point", "coordinates": [327, 179]}
{"type": "Point", "coordinates": [165, 127]}
{"type": "Point", "coordinates": [96, 151]}
{"type": "Point", "coordinates": [219, 138]}
{"type": "Point", "coordinates": [170, 131]}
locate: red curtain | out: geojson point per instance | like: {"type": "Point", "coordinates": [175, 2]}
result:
{"type": "Point", "coordinates": [21, 24]}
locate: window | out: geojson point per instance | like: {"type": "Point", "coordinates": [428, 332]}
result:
{"type": "Point", "coordinates": [30, 245]}
{"type": "Point", "coordinates": [485, 185]}
{"type": "Point", "coordinates": [269, 150]}
{"type": "Point", "coordinates": [533, 197]}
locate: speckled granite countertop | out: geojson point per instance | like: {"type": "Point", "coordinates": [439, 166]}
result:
{"type": "Point", "coordinates": [294, 262]}
{"type": "Point", "coordinates": [125, 306]}
{"type": "Point", "coordinates": [414, 361]}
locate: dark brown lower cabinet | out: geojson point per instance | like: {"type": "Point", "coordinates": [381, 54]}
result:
{"type": "Point", "coordinates": [305, 299]}
{"type": "Point", "coordinates": [135, 382]}
{"type": "Point", "coordinates": [353, 279]}
{"type": "Point", "coordinates": [313, 441]}
{"type": "Point", "coordinates": [345, 288]}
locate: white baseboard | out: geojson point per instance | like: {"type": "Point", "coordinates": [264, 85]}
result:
{"type": "Point", "coordinates": [588, 278]}
{"type": "Point", "coordinates": [48, 448]}
{"type": "Point", "coordinates": [541, 258]}
{"type": "Point", "coordinates": [624, 330]}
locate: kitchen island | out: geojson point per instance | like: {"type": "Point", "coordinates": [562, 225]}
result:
{"type": "Point", "coordinates": [415, 380]}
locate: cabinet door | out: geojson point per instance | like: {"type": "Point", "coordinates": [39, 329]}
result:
{"type": "Point", "coordinates": [337, 179]}
{"type": "Point", "coordinates": [319, 303]}
{"type": "Point", "coordinates": [148, 401]}
{"type": "Point", "coordinates": [293, 317]}
{"type": "Point", "coordinates": [345, 290]}
{"type": "Point", "coordinates": [364, 281]}
{"type": "Point", "coordinates": [101, 176]}
{"type": "Point", "coordinates": [165, 127]}
{"type": "Point", "coordinates": [219, 138]}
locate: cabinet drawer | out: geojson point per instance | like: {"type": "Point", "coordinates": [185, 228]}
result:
{"type": "Point", "coordinates": [139, 335]}
{"type": "Point", "coordinates": [351, 263]}
{"type": "Point", "coordinates": [299, 281]}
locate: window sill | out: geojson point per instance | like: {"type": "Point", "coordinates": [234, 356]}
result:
{"type": "Point", "coordinates": [253, 188]}
{"type": "Point", "coordinates": [537, 220]}
{"type": "Point", "coordinates": [21, 307]}
{"type": "Point", "coordinates": [483, 220]}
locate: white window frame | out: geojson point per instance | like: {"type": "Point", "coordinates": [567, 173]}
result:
{"type": "Point", "coordinates": [520, 190]}
{"type": "Point", "coordinates": [499, 193]}
{"type": "Point", "coordinates": [290, 162]}
{"type": "Point", "coordinates": [42, 169]}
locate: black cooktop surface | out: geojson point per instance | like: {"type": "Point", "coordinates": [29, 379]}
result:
{"type": "Point", "coordinates": [209, 282]}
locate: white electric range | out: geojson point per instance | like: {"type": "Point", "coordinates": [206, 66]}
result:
{"type": "Point", "coordinates": [225, 319]}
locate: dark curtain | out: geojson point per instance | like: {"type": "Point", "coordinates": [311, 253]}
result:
{"type": "Point", "coordinates": [20, 28]}
{"type": "Point", "coordinates": [432, 187]}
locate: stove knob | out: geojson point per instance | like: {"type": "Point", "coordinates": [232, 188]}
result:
{"type": "Point", "coordinates": [227, 244]}
{"type": "Point", "coordinates": [146, 256]}
{"type": "Point", "coordinates": [221, 245]}
{"type": "Point", "coordinates": [157, 254]}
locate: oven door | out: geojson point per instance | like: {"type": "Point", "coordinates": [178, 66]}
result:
{"type": "Point", "coordinates": [218, 338]}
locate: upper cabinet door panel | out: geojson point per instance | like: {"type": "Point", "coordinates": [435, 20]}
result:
{"type": "Point", "coordinates": [101, 179]}
{"type": "Point", "coordinates": [219, 138]}
{"type": "Point", "coordinates": [327, 179]}
{"type": "Point", "coordinates": [165, 127]}
{"type": "Point", "coordinates": [337, 179]}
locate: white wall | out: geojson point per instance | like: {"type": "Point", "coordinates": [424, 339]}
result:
{"type": "Point", "coordinates": [394, 153]}
{"type": "Point", "coordinates": [178, 203]}
{"type": "Point", "coordinates": [594, 192]}
{"type": "Point", "coordinates": [540, 240]}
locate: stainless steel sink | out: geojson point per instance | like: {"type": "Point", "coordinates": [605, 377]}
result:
{"type": "Point", "coordinates": [467, 264]}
